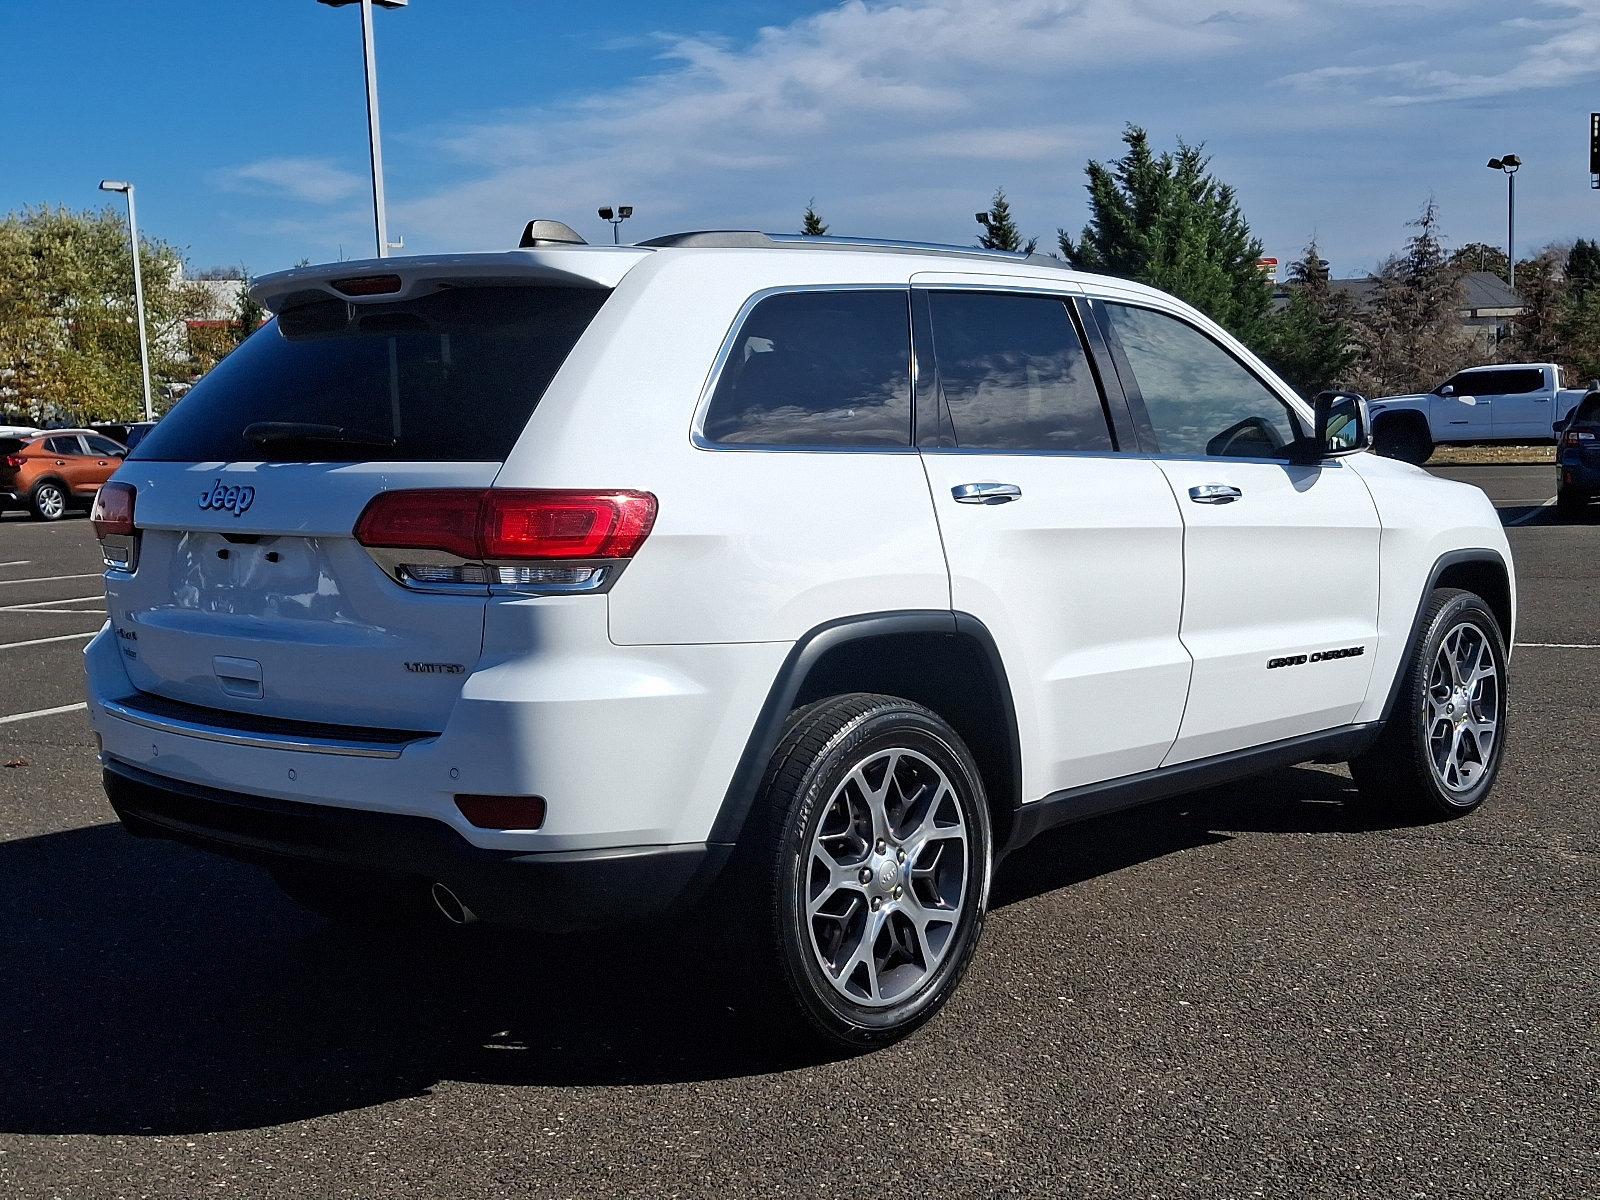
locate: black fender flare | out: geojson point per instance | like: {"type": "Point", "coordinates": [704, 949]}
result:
{"type": "Point", "coordinates": [804, 655]}
{"type": "Point", "coordinates": [1445, 561]}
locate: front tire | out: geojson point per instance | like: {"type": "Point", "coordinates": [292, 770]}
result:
{"type": "Point", "coordinates": [1406, 440]}
{"type": "Point", "coordinates": [1440, 749]}
{"type": "Point", "coordinates": [875, 845]}
{"type": "Point", "coordinates": [48, 501]}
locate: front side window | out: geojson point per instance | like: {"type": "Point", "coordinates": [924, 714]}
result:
{"type": "Point", "coordinates": [1200, 399]}
{"type": "Point", "coordinates": [1014, 374]}
{"type": "Point", "coordinates": [104, 447]}
{"type": "Point", "coordinates": [822, 369]}
{"type": "Point", "coordinates": [1506, 382]}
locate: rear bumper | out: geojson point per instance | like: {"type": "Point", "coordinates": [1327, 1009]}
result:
{"type": "Point", "coordinates": [547, 890]}
{"type": "Point", "coordinates": [1580, 472]}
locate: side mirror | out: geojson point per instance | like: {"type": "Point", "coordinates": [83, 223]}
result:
{"type": "Point", "coordinates": [1445, 389]}
{"type": "Point", "coordinates": [1342, 427]}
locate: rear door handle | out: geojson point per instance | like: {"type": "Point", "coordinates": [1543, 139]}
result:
{"type": "Point", "coordinates": [986, 493]}
{"type": "Point", "coordinates": [1215, 493]}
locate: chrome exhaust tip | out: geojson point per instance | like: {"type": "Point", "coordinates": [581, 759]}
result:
{"type": "Point", "coordinates": [448, 903]}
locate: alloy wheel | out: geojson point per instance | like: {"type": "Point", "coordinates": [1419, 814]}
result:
{"type": "Point", "coordinates": [886, 879]}
{"type": "Point", "coordinates": [1463, 708]}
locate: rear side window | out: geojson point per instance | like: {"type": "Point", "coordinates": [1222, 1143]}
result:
{"type": "Point", "coordinates": [1516, 381]}
{"type": "Point", "coordinates": [1014, 374]}
{"type": "Point", "coordinates": [822, 369]}
{"type": "Point", "coordinates": [450, 376]}
{"type": "Point", "coordinates": [63, 445]}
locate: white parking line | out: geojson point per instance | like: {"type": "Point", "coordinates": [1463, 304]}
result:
{"type": "Point", "coordinates": [44, 604]}
{"type": "Point", "coordinates": [51, 578]}
{"type": "Point", "coordinates": [43, 712]}
{"type": "Point", "coordinates": [1557, 646]}
{"type": "Point", "coordinates": [1528, 516]}
{"type": "Point", "coordinates": [60, 637]}
{"type": "Point", "coordinates": [18, 562]}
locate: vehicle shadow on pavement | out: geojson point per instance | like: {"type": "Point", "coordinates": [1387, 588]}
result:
{"type": "Point", "coordinates": [149, 989]}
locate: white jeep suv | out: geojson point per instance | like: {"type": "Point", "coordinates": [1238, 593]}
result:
{"type": "Point", "coordinates": [568, 582]}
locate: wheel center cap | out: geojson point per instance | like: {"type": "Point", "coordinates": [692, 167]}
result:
{"type": "Point", "coordinates": [886, 874]}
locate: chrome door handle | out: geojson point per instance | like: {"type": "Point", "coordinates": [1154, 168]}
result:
{"type": "Point", "coordinates": [1215, 493]}
{"type": "Point", "coordinates": [986, 493]}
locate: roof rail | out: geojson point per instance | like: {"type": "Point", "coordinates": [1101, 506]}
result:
{"type": "Point", "coordinates": [747, 239]}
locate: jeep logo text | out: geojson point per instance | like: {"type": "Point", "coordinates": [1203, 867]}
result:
{"type": "Point", "coordinates": [226, 496]}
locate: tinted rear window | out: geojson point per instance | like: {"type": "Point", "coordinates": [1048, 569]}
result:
{"type": "Point", "coordinates": [451, 376]}
{"type": "Point", "coordinates": [819, 368]}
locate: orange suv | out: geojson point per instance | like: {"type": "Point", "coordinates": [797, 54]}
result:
{"type": "Point", "coordinates": [56, 470]}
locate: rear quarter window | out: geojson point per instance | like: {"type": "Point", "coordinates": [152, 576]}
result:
{"type": "Point", "coordinates": [450, 376]}
{"type": "Point", "coordinates": [821, 369]}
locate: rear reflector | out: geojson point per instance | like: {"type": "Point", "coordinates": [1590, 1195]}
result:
{"type": "Point", "coordinates": [113, 510]}
{"type": "Point", "coordinates": [502, 812]}
{"type": "Point", "coordinates": [368, 285]}
{"type": "Point", "coordinates": [504, 523]}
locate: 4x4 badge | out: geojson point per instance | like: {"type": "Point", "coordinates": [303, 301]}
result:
{"type": "Point", "coordinates": [226, 496]}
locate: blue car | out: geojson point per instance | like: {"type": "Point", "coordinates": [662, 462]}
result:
{"type": "Point", "coordinates": [1578, 457]}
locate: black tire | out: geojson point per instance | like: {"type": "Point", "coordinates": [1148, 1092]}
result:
{"type": "Point", "coordinates": [1571, 503]}
{"type": "Point", "coordinates": [48, 501]}
{"type": "Point", "coordinates": [1403, 439]}
{"type": "Point", "coordinates": [806, 783]}
{"type": "Point", "coordinates": [354, 897]}
{"type": "Point", "coordinates": [1401, 771]}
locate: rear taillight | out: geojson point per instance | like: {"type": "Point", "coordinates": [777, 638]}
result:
{"type": "Point", "coordinates": [451, 537]}
{"type": "Point", "coordinates": [112, 518]}
{"type": "Point", "coordinates": [1576, 438]}
{"type": "Point", "coordinates": [15, 461]}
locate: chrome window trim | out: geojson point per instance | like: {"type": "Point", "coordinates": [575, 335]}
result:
{"type": "Point", "coordinates": [304, 744]}
{"type": "Point", "coordinates": [697, 436]}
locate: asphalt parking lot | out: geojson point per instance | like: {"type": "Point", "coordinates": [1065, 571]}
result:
{"type": "Point", "coordinates": [1251, 992]}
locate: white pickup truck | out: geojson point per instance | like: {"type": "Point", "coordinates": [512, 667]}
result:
{"type": "Point", "coordinates": [1511, 402]}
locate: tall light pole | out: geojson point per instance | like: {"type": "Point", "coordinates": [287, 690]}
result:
{"type": "Point", "coordinates": [119, 185]}
{"type": "Point", "coordinates": [616, 216]}
{"type": "Point", "coordinates": [1510, 164]}
{"type": "Point", "coordinates": [380, 216]}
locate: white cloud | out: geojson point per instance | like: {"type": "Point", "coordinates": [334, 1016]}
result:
{"type": "Point", "coordinates": [313, 180]}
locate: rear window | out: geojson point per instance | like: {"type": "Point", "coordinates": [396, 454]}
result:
{"type": "Point", "coordinates": [451, 376]}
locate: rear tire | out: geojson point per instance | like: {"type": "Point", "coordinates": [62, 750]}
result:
{"type": "Point", "coordinates": [353, 897]}
{"type": "Point", "coordinates": [1571, 503]}
{"type": "Point", "coordinates": [871, 847]}
{"type": "Point", "coordinates": [1440, 749]}
{"type": "Point", "coordinates": [48, 502]}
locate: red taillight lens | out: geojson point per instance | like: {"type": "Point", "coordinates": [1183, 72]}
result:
{"type": "Point", "coordinates": [561, 524]}
{"type": "Point", "coordinates": [426, 519]}
{"type": "Point", "coordinates": [113, 510]}
{"type": "Point", "coordinates": [14, 461]}
{"type": "Point", "coordinates": [509, 523]}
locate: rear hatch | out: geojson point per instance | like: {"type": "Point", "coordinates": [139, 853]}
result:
{"type": "Point", "coordinates": [251, 594]}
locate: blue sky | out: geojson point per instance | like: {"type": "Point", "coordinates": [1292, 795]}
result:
{"type": "Point", "coordinates": [242, 121]}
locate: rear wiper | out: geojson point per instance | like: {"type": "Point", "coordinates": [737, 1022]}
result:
{"type": "Point", "coordinates": [270, 433]}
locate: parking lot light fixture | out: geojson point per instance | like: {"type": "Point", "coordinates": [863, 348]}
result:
{"type": "Point", "coordinates": [380, 217]}
{"type": "Point", "coordinates": [126, 188]}
{"type": "Point", "coordinates": [1510, 164]}
{"type": "Point", "coordinates": [616, 215]}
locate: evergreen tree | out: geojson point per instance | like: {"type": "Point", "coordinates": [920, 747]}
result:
{"type": "Point", "coordinates": [1311, 340]}
{"type": "Point", "coordinates": [999, 229]}
{"type": "Point", "coordinates": [248, 313]}
{"type": "Point", "coordinates": [1535, 334]}
{"type": "Point", "coordinates": [1165, 220]}
{"type": "Point", "coordinates": [1583, 267]}
{"type": "Point", "coordinates": [1578, 334]}
{"type": "Point", "coordinates": [813, 226]}
{"type": "Point", "coordinates": [1411, 331]}
{"type": "Point", "coordinates": [1480, 256]}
